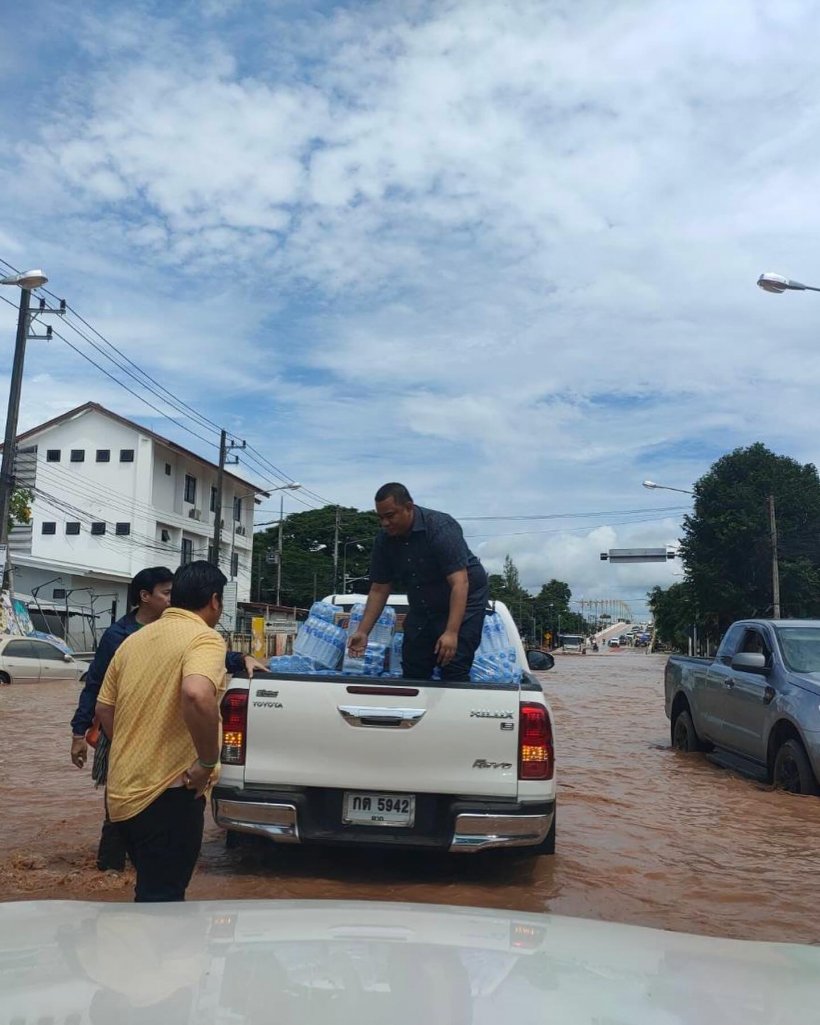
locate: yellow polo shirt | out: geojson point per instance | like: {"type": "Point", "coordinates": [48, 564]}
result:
{"type": "Point", "coordinates": [152, 746]}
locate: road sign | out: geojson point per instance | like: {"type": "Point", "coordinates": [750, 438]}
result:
{"type": "Point", "coordinates": [637, 555]}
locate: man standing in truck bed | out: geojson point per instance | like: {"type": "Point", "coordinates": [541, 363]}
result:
{"type": "Point", "coordinates": [424, 552]}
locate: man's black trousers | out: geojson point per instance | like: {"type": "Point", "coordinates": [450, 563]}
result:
{"type": "Point", "coordinates": [163, 842]}
{"type": "Point", "coordinates": [423, 629]}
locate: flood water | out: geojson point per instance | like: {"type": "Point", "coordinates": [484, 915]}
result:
{"type": "Point", "coordinates": [645, 835]}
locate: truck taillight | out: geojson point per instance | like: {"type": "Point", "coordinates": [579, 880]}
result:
{"type": "Point", "coordinates": [536, 756]}
{"type": "Point", "coordinates": [234, 727]}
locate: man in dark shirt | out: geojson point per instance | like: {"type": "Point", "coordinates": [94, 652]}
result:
{"type": "Point", "coordinates": [149, 595]}
{"type": "Point", "coordinates": [424, 552]}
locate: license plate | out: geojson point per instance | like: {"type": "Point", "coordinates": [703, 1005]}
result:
{"type": "Point", "coordinates": [365, 809]}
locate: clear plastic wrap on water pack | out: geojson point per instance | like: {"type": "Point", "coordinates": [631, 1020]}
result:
{"type": "Point", "coordinates": [496, 667]}
{"type": "Point", "coordinates": [372, 663]}
{"type": "Point", "coordinates": [319, 638]}
{"type": "Point", "coordinates": [495, 661]}
{"type": "Point", "coordinates": [294, 664]}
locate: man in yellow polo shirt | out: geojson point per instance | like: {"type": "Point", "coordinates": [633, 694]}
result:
{"type": "Point", "coordinates": [159, 705]}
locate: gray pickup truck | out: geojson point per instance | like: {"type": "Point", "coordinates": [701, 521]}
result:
{"type": "Point", "coordinates": [758, 701]}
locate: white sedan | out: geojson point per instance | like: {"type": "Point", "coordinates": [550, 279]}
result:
{"type": "Point", "coordinates": [31, 660]}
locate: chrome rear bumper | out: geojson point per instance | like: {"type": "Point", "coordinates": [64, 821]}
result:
{"type": "Point", "coordinates": [478, 832]}
{"type": "Point", "coordinates": [278, 822]}
{"type": "Point", "coordinates": [279, 818]}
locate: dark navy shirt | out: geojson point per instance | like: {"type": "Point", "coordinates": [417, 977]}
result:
{"type": "Point", "coordinates": [421, 561]}
{"type": "Point", "coordinates": [106, 649]}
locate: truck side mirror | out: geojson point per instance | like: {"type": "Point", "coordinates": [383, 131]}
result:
{"type": "Point", "coordinates": [749, 661]}
{"type": "Point", "coordinates": [539, 661]}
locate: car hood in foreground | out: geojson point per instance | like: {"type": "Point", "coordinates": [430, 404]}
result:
{"type": "Point", "coordinates": [249, 962]}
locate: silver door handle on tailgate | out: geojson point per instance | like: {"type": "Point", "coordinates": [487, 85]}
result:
{"type": "Point", "coordinates": [393, 718]}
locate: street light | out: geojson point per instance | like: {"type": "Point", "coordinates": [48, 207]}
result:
{"type": "Point", "coordinates": [664, 487]}
{"type": "Point", "coordinates": [285, 487]}
{"type": "Point", "coordinates": [25, 282]}
{"type": "Point", "coordinates": [358, 543]}
{"type": "Point", "coordinates": [777, 283]}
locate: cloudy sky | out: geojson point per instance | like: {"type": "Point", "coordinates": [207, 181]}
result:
{"type": "Point", "coordinates": [503, 251]}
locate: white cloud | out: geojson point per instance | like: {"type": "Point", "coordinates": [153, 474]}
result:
{"type": "Point", "coordinates": [504, 250]}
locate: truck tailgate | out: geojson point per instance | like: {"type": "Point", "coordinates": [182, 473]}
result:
{"type": "Point", "coordinates": [356, 733]}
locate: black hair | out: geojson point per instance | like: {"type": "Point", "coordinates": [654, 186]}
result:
{"type": "Point", "coordinates": [398, 492]}
{"type": "Point", "coordinates": [147, 580]}
{"type": "Point", "coordinates": [195, 584]}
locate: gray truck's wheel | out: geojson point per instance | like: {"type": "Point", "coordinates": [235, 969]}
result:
{"type": "Point", "coordinates": [684, 735]}
{"type": "Point", "coordinates": [4, 679]}
{"type": "Point", "coordinates": [792, 770]}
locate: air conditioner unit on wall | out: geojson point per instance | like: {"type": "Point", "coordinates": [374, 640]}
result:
{"type": "Point", "coordinates": [242, 531]}
{"type": "Point", "coordinates": [165, 535]}
{"type": "Point", "coordinates": [195, 514]}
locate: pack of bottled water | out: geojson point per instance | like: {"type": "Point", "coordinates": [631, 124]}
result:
{"type": "Point", "coordinates": [321, 640]}
{"type": "Point", "coordinates": [325, 610]}
{"type": "Point", "coordinates": [493, 635]}
{"type": "Point", "coordinates": [380, 641]}
{"type": "Point", "coordinates": [496, 667]}
{"type": "Point", "coordinates": [298, 664]}
{"type": "Point", "coordinates": [369, 664]}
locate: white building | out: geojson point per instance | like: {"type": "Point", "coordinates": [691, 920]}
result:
{"type": "Point", "coordinates": [112, 497]}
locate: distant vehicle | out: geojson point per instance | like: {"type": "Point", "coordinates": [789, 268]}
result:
{"type": "Point", "coordinates": [758, 700]}
{"type": "Point", "coordinates": [574, 643]}
{"type": "Point", "coordinates": [30, 660]}
{"type": "Point", "coordinates": [613, 642]}
{"type": "Point", "coordinates": [624, 639]}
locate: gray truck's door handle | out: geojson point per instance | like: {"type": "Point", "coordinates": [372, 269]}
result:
{"type": "Point", "coordinates": [390, 718]}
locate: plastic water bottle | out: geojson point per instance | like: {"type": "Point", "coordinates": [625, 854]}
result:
{"type": "Point", "coordinates": [382, 632]}
{"type": "Point", "coordinates": [396, 649]}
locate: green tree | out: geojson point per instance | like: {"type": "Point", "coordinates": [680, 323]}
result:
{"type": "Point", "coordinates": [20, 507]}
{"type": "Point", "coordinates": [726, 545]}
{"type": "Point", "coordinates": [307, 554]}
{"type": "Point", "coordinates": [673, 611]}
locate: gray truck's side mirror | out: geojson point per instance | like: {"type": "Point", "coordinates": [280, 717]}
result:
{"type": "Point", "coordinates": [539, 661]}
{"type": "Point", "coordinates": [750, 661]}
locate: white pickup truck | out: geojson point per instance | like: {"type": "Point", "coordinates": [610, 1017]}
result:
{"type": "Point", "coordinates": [391, 762]}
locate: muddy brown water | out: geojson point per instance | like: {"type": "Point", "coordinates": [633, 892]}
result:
{"type": "Point", "coordinates": [645, 835]}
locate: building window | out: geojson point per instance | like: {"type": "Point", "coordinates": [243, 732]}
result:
{"type": "Point", "coordinates": [126, 455]}
{"type": "Point", "coordinates": [78, 455]}
{"type": "Point", "coordinates": [103, 455]}
{"type": "Point", "coordinates": [187, 551]}
{"type": "Point", "coordinates": [52, 455]}
{"type": "Point", "coordinates": [73, 527]}
{"type": "Point", "coordinates": [237, 509]}
{"type": "Point", "coordinates": [167, 469]}
{"type": "Point", "coordinates": [97, 529]}
{"type": "Point", "coordinates": [123, 528]}
{"type": "Point", "coordinates": [213, 499]}
{"type": "Point", "coordinates": [190, 489]}
{"type": "Point", "coordinates": [49, 528]}
{"type": "Point", "coordinates": [235, 564]}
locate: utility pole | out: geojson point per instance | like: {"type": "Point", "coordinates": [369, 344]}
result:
{"type": "Point", "coordinates": [336, 549]}
{"type": "Point", "coordinates": [279, 546]}
{"type": "Point", "coordinates": [224, 461]}
{"type": "Point", "coordinates": [220, 482]}
{"type": "Point", "coordinates": [775, 566]}
{"type": "Point", "coordinates": [26, 282]}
